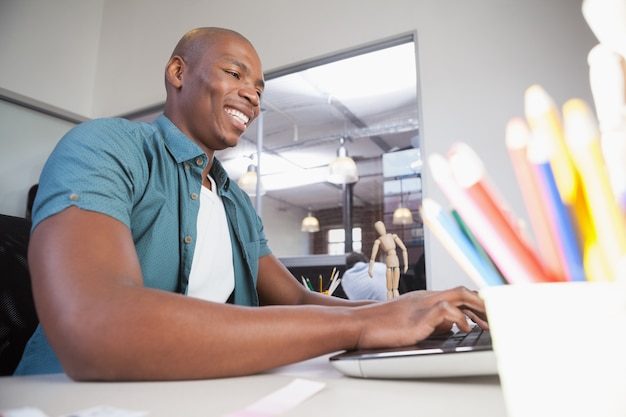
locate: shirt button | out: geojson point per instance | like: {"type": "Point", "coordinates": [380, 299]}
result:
{"type": "Point", "coordinates": [187, 166]}
{"type": "Point", "coordinates": [74, 197]}
{"type": "Point", "coordinates": [199, 162]}
{"type": "Point", "coordinates": [188, 239]}
{"type": "Point", "coordinates": [194, 196]}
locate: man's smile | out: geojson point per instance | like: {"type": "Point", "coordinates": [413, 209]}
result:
{"type": "Point", "coordinates": [238, 116]}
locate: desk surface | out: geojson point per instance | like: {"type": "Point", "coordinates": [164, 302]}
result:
{"type": "Point", "coordinates": [57, 395]}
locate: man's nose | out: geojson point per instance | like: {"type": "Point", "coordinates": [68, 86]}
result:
{"type": "Point", "coordinates": [250, 93]}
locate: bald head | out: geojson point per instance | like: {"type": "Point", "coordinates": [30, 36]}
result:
{"type": "Point", "coordinates": [194, 43]}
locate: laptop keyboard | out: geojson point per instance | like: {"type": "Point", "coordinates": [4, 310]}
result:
{"type": "Point", "coordinates": [477, 337]}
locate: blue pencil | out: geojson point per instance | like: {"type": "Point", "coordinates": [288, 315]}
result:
{"type": "Point", "coordinates": [562, 224]}
{"type": "Point", "coordinates": [446, 229]}
{"type": "Point", "coordinates": [473, 240]}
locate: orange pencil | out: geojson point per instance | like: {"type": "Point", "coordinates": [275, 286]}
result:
{"type": "Point", "coordinates": [517, 139]}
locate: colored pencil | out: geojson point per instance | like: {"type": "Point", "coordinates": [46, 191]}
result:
{"type": "Point", "coordinates": [473, 240]}
{"type": "Point", "coordinates": [544, 119]}
{"type": "Point", "coordinates": [309, 284]}
{"type": "Point", "coordinates": [333, 275]}
{"type": "Point", "coordinates": [495, 194]}
{"type": "Point", "coordinates": [516, 261]}
{"type": "Point", "coordinates": [596, 264]}
{"type": "Point", "coordinates": [458, 245]}
{"type": "Point", "coordinates": [334, 286]}
{"type": "Point", "coordinates": [306, 283]}
{"type": "Point", "coordinates": [545, 122]}
{"type": "Point", "coordinates": [582, 138]}
{"type": "Point", "coordinates": [517, 137]}
{"type": "Point", "coordinates": [562, 226]}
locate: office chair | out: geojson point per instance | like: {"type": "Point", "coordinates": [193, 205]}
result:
{"type": "Point", "coordinates": [18, 318]}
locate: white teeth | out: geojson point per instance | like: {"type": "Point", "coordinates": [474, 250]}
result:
{"type": "Point", "coordinates": [238, 115]}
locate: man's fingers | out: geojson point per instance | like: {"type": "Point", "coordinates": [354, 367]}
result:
{"type": "Point", "coordinates": [445, 313]}
{"type": "Point", "coordinates": [478, 319]}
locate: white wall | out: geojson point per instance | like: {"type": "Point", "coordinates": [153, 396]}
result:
{"type": "Point", "coordinates": [50, 50]}
{"type": "Point", "coordinates": [282, 229]}
{"type": "Point", "coordinates": [26, 139]}
{"type": "Point", "coordinates": [476, 59]}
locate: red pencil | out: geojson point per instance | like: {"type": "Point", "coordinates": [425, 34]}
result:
{"type": "Point", "coordinates": [516, 260]}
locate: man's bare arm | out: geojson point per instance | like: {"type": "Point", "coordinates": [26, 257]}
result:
{"type": "Point", "coordinates": [105, 325]}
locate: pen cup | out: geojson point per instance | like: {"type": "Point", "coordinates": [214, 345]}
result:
{"type": "Point", "coordinates": [560, 347]}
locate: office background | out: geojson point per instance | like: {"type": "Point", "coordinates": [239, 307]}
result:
{"type": "Point", "coordinates": [95, 58]}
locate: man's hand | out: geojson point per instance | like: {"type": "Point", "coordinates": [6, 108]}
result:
{"type": "Point", "coordinates": [414, 316]}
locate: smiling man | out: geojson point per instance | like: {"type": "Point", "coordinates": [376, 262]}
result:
{"type": "Point", "coordinates": [149, 263]}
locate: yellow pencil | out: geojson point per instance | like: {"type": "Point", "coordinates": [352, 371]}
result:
{"type": "Point", "coordinates": [583, 141]}
{"type": "Point", "coordinates": [595, 263]}
{"type": "Point", "coordinates": [545, 122]}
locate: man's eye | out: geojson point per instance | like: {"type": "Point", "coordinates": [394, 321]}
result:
{"type": "Point", "coordinates": [233, 73]}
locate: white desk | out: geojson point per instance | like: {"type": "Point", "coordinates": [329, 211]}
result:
{"type": "Point", "coordinates": [57, 395]}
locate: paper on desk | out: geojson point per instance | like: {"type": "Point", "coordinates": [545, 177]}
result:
{"type": "Point", "coordinates": [23, 412]}
{"type": "Point", "coordinates": [107, 411]}
{"type": "Point", "coordinates": [98, 411]}
{"type": "Point", "coordinates": [280, 400]}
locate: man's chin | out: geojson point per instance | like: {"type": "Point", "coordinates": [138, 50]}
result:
{"type": "Point", "coordinates": [226, 142]}
{"type": "Point", "coordinates": [230, 143]}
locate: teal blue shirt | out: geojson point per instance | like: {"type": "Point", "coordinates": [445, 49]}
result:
{"type": "Point", "coordinates": [148, 176]}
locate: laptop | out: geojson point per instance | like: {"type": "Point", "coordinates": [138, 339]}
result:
{"type": "Point", "coordinates": [453, 354]}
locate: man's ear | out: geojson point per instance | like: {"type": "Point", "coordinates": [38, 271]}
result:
{"type": "Point", "coordinates": [174, 71]}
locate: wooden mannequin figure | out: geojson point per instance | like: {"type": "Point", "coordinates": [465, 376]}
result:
{"type": "Point", "coordinates": [389, 242]}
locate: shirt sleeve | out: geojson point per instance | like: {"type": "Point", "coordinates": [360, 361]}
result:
{"type": "Point", "coordinates": [95, 166]}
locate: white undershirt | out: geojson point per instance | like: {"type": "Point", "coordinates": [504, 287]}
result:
{"type": "Point", "coordinates": [212, 274]}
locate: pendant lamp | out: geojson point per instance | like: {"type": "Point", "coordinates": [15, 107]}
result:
{"type": "Point", "coordinates": [402, 215]}
{"type": "Point", "coordinates": [310, 224]}
{"type": "Point", "coordinates": [343, 169]}
{"type": "Point", "coordinates": [248, 181]}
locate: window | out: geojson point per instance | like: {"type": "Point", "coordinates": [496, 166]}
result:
{"type": "Point", "coordinates": [337, 241]}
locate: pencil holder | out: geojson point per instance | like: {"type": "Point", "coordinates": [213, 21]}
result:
{"type": "Point", "coordinates": [560, 347]}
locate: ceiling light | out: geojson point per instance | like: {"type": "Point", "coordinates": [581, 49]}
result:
{"type": "Point", "coordinates": [310, 224]}
{"type": "Point", "coordinates": [402, 216]}
{"type": "Point", "coordinates": [248, 181]}
{"type": "Point", "coordinates": [343, 169]}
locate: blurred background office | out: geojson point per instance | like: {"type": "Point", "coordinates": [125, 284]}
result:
{"type": "Point", "coordinates": [74, 60]}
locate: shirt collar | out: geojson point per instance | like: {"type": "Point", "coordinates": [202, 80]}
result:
{"type": "Point", "coordinates": [184, 149]}
{"type": "Point", "coordinates": [181, 147]}
{"type": "Point", "coordinates": [220, 176]}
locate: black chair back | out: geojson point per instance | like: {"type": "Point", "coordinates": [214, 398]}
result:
{"type": "Point", "coordinates": [18, 318]}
